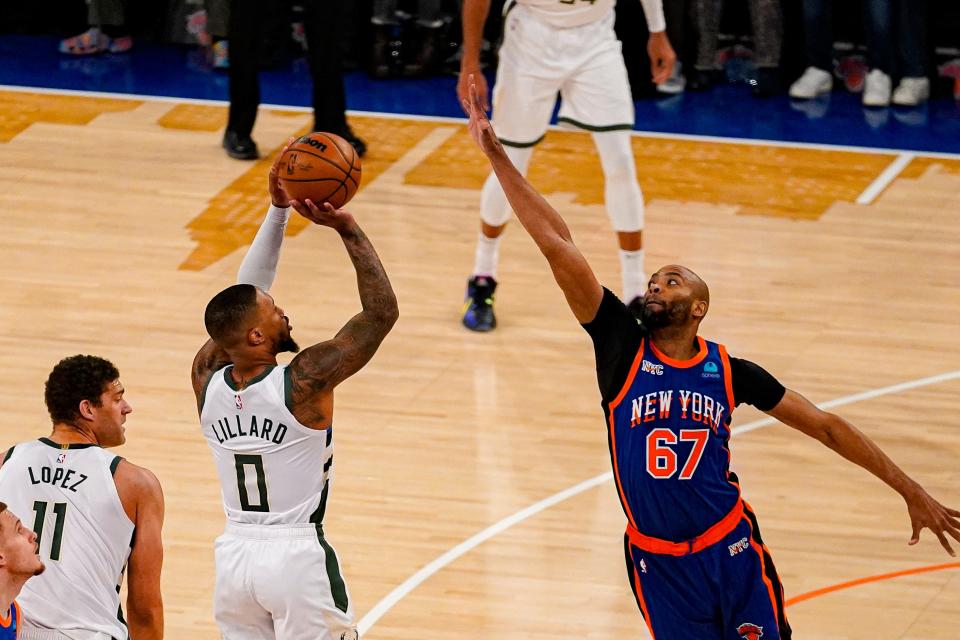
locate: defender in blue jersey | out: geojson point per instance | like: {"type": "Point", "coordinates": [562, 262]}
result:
{"type": "Point", "coordinates": [19, 561]}
{"type": "Point", "coordinates": [695, 558]}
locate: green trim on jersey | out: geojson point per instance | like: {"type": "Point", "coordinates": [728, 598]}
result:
{"type": "Point", "coordinates": [254, 380]}
{"type": "Point", "coordinates": [75, 445]}
{"type": "Point", "coordinates": [114, 464]}
{"type": "Point", "coordinates": [9, 453]}
{"type": "Point", "coordinates": [337, 587]}
{"type": "Point", "coordinates": [596, 128]}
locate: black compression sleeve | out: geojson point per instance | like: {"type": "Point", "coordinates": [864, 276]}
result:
{"type": "Point", "coordinates": [753, 385]}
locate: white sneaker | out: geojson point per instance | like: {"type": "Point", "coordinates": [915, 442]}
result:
{"type": "Point", "coordinates": [811, 84]}
{"type": "Point", "coordinates": [676, 83]}
{"type": "Point", "coordinates": [911, 92]}
{"type": "Point", "coordinates": [876, 90]}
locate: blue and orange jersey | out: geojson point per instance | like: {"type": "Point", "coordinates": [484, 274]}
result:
{"type": "Point", "coordinates": [668, 430]}
{"type": "Point", "coordinates": [10, 623]}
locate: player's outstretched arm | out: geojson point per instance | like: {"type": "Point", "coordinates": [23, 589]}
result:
{"type": "Point", "coordinates": [542, 222]}
{"type": "Point", "coordinates": [473, 19]}
{"type": "Point", "coordinates": [796, 411]}
{"type": "Point", "coordinates": [259, 266]}
{"type": "Point", "coordinates": [323, 366]}
{"type": "Point", "coordinates": [139, 488]}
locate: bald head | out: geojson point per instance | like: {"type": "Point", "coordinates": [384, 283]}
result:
{"type": "Point", "coordinates": [698, 287]}
{"type": "Point", "coordinates": [676, 296]}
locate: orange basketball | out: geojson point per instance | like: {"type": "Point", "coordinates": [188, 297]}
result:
{"type": "Point", "coordinates": [322, 167]}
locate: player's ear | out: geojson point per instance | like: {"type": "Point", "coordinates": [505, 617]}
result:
{"type": "Point", "coordinates": [699, 309]}
{"type": "Point", "coordinates": [85, 408]}
{"type": "Point", "coordinates": [255, 337]}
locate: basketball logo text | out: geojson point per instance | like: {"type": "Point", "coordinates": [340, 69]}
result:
{"type": "Point", "coordinates": [649, 367]}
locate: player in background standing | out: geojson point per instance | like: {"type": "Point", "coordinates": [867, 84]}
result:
{"type": "Point", "coordinates": [567, 46]}
{"type": "Point", "coordinates": [270, 429]}
{"type": "Point", "coordinates": [695, 558]}
{"type": "Point", "coordinates": [19, 561]}
{"type": "Point", "coordinates": [86, 504]}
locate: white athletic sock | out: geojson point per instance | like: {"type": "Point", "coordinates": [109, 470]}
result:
{"type": "Point", "coordinates": [631, 272]}
{"type": "Point", "coordinates": [259, 266]}
{"type": "Point", "coordinates": [487, 257]}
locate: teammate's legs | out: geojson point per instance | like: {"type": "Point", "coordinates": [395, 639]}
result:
{"type": "Point", "coordinates": [238, 613]}
{"type": "Point", "coordinates": [625, 207]}
{"type": "Point", "coordinates": [524, 94]}
{"type": "Point", "coordinates": [597, 98]}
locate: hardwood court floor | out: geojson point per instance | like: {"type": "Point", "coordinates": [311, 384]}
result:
{"type": "Point", "coordinates": [122, 217]}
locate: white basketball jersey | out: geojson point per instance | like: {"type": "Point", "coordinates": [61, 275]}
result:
{"type": "Point", "coordinates": [273, 470]}
{"type": "Point", "coordinates": [568, 13]}
{"type": "Point", "coordinates": [67, 495]}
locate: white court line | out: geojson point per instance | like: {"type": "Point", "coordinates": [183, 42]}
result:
{"type": "Point", "coordinates": [411, 583]}
{"type": "Point", "coordinates": [883, 180]}
{"type": "Point", "coordinates": [762, 142]}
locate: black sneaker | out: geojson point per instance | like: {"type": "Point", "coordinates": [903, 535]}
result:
{"type": "Point", "coordinates": [478, 306]}
{"type": "Point", "coordinates": [358, 144]}
{"type": "Point", "coordinates": [767, 83]}
{"type": "Point", "coordinates": [240, 147]}
{"type": "Point", "coordinates": [636, 307]}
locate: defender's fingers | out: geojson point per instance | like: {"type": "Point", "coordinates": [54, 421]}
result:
{"type": "Point", "coordinates": [915, 537]}
{"type": "Point", "coordinates": [953, 512]}
{"type": "Point", "coordinates": [945, 543]}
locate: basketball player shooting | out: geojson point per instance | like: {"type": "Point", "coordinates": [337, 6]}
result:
{"type": "Point", "coordinates": [668, 395]}
{"type": "Point", "coordinates": [270, 429]}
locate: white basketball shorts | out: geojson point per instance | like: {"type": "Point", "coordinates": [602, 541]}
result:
{"type": "Point", "coordinates": [537, 60]}
{"type": "Point", "coordinates": [280, 582]}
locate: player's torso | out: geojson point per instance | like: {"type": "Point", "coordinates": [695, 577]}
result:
{"type": "Point", "coordinates": [566, 13]}
{"type": "Point", "coordinates": [67, 495]}
{"type": "Point", "coordinates": [668, 432]}
{"type": "Point", "coordinates": [273, 470]}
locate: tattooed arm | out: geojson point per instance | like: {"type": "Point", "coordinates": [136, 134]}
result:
{"type": "Point", "coordinates": [317, 370]}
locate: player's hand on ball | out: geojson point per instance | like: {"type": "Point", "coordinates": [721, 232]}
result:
{"type": "Point", "coordinates": [278, 197]}
{"type": "Point", "coordinates": [480, 128]}
{"type": "Point", "coordinates": [662, 57]}
{"type": "Point", "coordinates": [925, 512]}
{"type": "Point", "coordinates": [337, 219]}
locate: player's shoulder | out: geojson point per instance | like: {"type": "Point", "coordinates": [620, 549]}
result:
{"type": "Point", "coordinates": [136, 479]}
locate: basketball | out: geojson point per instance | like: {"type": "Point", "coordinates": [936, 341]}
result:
{"type": "Point", "coordinates": [322, 167]}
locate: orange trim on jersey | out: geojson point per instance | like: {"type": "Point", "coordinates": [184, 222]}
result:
{"type": "Point", "coordinates": [763, 573]}
{"type": "Point", "coordinates": [637, 359]}
{"type": "Point", "coordinates": [708, 538]}
{"type": "Point", "coordinates": [643, 603]}
{"type": "Point", "coordinates": [613, 435]}
{"type": "Point", "coordinates": [682, 364]}
{"type": "Point", "coordinates": [727, 378]}
{"type": "Point", "coordinates": [7, 619]}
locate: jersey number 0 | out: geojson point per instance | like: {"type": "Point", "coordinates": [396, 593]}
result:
{"type": "Point", "coordinates": [242, 462]}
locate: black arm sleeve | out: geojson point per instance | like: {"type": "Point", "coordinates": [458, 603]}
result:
{"type": "Point", "coordinates": [753, 385]}
{"type": "Point", "coordinates": [616, 337]}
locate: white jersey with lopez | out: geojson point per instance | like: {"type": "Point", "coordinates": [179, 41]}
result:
{"type": "Point", "coordinates": [574, 13]}
{"type": "Point", "coordinates": [67, 494]}
{"type": "Point", "coordinates": [273, 470]}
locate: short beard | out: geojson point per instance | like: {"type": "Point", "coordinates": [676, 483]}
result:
{"type": "Point", "coordinates": [669, 315]}
{"type": "Point", "coordinates": [288, 345]}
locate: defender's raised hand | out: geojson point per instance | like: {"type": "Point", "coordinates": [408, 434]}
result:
{"type": "Point", "coordinates": [480, 128]}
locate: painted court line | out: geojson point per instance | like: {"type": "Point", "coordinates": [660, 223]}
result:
{"type": "Point", "coordinates": [403, 589]}
{"type": "Point", "coordinates": [763, 142]}
{"type": "Point", "coordinates": [861, 581]}
{"type": "Point", "coordinates": [883, 180]}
